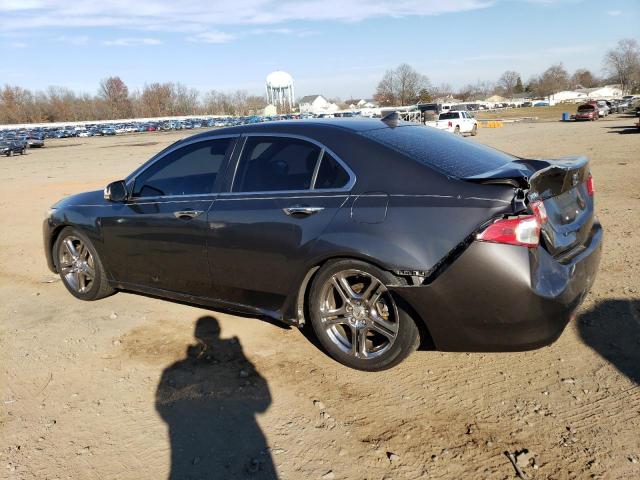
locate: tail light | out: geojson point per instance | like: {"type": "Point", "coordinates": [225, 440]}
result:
{"type": "Point", "coordinates": [591, 188]}
{"type": "Point", "coordinates": [450, 124]}
{"type": "Point", "coordinates": [523, 230]}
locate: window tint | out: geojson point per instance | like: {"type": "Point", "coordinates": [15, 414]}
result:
{"type": "Point", "coordinates": [331, 174]}
{"type": "Point", "coordinates": [190, 170]}
{"type": "Point", "coordinates": [270, 164]}
{"type": "Point", "coordinates": [456, 157]}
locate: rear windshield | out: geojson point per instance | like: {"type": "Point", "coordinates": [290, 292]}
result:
{"type": "Point", "coordinates": [442, 151]}
{"type": "Point", "coordinates": [449, 116]}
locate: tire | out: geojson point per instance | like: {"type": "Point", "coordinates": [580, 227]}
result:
{"type": "Point", "coordinates": [10, 154]}
{"type": "Point", "coordinates": [456, 131]}
{"type": "Point", "coordinates": [474, 131]}
{"type": "Point", "coordinates": [79, 280]}
{"type": "Point", "coordinates": [384, 333]}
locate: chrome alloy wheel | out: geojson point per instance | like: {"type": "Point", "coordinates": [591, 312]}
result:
{"type": "Point", "coordinates": [76, 264]}
{"type": "Point", "coordinates": [358, 314]}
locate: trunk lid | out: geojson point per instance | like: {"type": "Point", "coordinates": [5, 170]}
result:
{"type": "Point", "coordinates": [562, 187]}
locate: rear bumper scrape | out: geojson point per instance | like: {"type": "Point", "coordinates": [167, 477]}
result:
{"type": "Point", "coordinates": [504, 298]}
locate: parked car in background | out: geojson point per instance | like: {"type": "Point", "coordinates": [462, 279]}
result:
{"type": "Point", "coordinates": [495, 252]}
{"type": "Point", "coordinates": [6, 148]}
{"type": "Point", "coordinates": [11, 147]}
{"type": "Point", "coordinates": [601, 105]}
{"type": "Point", "coordinates": [107, 131]}
{"type": "Point", "coordinates": [35, 140]}
{"type": "Point", "coordinates": [587, 111]}
{"type": "Point", "coordinates": [457, 122]}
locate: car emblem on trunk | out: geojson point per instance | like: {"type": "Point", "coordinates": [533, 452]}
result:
{"type": "Point", "coordinates": [574, 179]}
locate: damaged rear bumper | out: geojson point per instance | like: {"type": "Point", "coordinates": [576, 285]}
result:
{"type": "Point", "coordinates": [504, 298]}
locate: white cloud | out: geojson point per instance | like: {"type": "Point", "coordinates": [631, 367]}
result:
{"type": "Point", "coordinates": [204, 16]}
{"type": "Point", "coordinates": [131, 42]}
{"type": "Point", "coordinates": [614, 13]}
{"type": "Point", "coordinates": [18, 45]}
{"type": "Point", "coordinates": [77, 40]}
{"type": "Point", "coordinates": [213, 36]}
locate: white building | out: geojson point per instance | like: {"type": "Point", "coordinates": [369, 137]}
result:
{"type": "Point", "coordinates": [585, 94]}
{"type": "Point", "coordinates": [316, 104]}
{"type": "Point", "coordinates": [567, 96]}
{"type": "Point", "coordinates": [608, 91]}
{"type": "Point", "coordinates": [270, 110]}
{"type": "Point", "coordinates": [363, 103]}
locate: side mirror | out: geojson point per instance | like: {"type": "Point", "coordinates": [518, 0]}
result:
{"type": "Point", "coordinates": [116, 191]}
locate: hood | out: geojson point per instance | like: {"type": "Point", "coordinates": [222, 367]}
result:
{"type": "Point", "coordinates": [82, 199]}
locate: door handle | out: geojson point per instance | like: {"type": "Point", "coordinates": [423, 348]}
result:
{"type": "Point", "coordinates": [302, 210]}
{"type": "Point", "coordinates": [187, 214]}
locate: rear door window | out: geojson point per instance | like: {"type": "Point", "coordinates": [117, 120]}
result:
{"type": "Point", "coordinates": [274, 164]}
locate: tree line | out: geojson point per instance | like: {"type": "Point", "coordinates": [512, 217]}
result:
{"type": "Point", "coordinates": [115, 101]}
{"type": "Point", "coordinates": [405, 86]}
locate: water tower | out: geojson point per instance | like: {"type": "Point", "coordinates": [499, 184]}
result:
{"type": "Point", "coordinates": [280, 89]}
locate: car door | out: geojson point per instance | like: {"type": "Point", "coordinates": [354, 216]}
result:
{"type": "Point", "coordinates": [466, 122]}
{"type": "Point", "coordinates": [283, 193]}
{"type": "Point", "coordinates": [157, 238]}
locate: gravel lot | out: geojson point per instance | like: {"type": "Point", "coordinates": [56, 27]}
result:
{"type": "Point", "coordinates": [120, 388]}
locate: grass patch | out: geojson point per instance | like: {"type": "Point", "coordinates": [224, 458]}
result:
{"type": "Point", "coordinates": [541, 113]}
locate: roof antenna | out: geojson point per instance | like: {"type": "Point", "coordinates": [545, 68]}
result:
{"type": "Point", "coordinates": [391, 118]}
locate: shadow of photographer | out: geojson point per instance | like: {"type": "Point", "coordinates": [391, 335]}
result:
{"type": "Point", "coordinates": [209, 401]}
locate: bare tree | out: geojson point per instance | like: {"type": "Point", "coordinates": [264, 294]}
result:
{"type": "Point", "coordinates": [623, 63]}
{"type": "Point", "coordinates": [584, 78]}
{"type": "Point", "coordinates": [386, 91]}
{"type": "Point", "coordinates": [507, 83]}
{"type": "Point", "coordinates": [156, 100]}
{"type": "Point", "coordinates": [115, 94]}
{"type": "Point", "coordinates": [478, 91]}
{"type": "Point", "coordinates": [402, 86]}
{"type": "Point", "coordinates": [554, 79]}
{"type": "Point", "coordinates": [442, 91]}
{"type": "Point", "coordinates": [185, 100]}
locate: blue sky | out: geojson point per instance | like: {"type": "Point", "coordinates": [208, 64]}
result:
{"type": "Point", "coordinates": [334, 47]}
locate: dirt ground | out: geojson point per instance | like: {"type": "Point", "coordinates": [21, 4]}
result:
{"type": "Point", "coordinates": [121, 389]}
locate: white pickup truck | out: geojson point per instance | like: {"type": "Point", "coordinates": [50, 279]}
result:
{"type": "Point", "coordinates": [458, 122]}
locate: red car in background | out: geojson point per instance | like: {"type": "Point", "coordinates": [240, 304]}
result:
{"type": "Point", "coordinates": [587, 112]}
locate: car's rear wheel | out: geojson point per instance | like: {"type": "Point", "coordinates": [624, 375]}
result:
{"type": "Point", "coordinates": [79, 266]}
{"type": "Point", "coordinates": [457, 131]}
{"type": "Point", "coordinates": [357, 319]}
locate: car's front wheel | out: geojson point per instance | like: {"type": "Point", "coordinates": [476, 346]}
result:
{"type": "Point", "coordinates": [357, 319]}
{"type": "Point", "coordinates": [79, 266]}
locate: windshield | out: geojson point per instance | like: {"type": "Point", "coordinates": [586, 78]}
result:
{"type": "Point", "coordinates": [449, 115]}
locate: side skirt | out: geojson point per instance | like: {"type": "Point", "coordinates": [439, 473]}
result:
{"type": "Point", "coordinates": [217, 304]}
